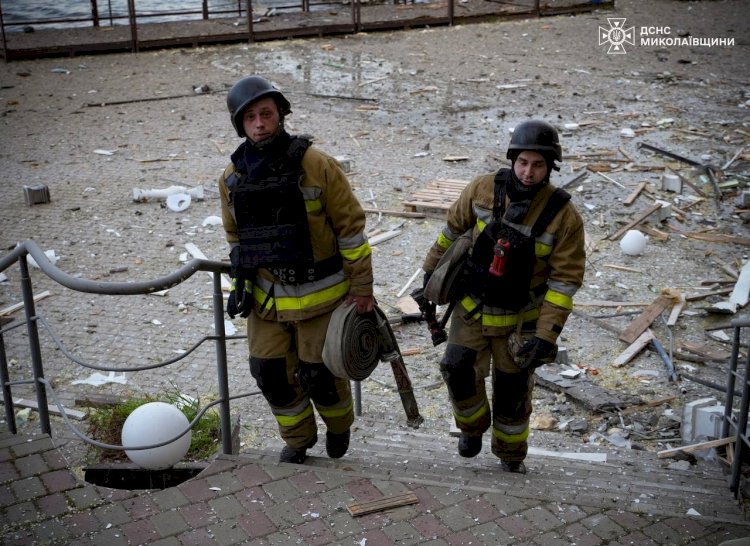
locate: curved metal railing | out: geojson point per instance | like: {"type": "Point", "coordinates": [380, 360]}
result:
{"type": "Point", "coordinates": [42, 385]}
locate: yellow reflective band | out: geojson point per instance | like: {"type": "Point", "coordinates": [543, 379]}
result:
{"type": "Point", "coordinates": [352, 254]}
{"type": "Point", "coordinates": [468, 303]}
{"type": "Point", "coordinates": [559, 299]}
{"type": "Point", "coordinates": [311, 300]}
{"type": "Point", "coordinates": [481, 224]}
{"type": "Point", "coordinates": [249, 287]}
{"type": "Point", "coordinates": [313, 205]}
{"type": "Point", "coordinates": [542, 249]}
{"type": "Point", "coordinates": [499, 321]}
{"type": "Point", "coordinates": [336, 412]}
{"type": "Point", "coordinates": [234, 283]}
{"type": "Point", "coordinates": [474, 416]}
{"type": "Point", "coordinates": [292, 420]}
{"type": "Point", "coordinates": [443, 242]}
{"type": "Point", "coordinates": [511, 438]}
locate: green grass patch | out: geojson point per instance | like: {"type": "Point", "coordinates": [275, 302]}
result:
{"type": "Point", "coordinates": [105, 425]}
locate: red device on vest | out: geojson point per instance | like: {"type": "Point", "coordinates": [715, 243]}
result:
{"type": "Point", "coordinates": [497, 268]}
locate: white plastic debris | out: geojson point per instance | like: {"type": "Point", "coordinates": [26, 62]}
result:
{"type": "Point", "coordinates": [97, 379]}
{"type": "Point", "coordinates": [178, 202]}
{"type": "Point", "coordinates": [104, 152]}
{"type": "Point", "coordinates": [212, 221]}
{"type": "Point", "coordinates": [693, 512]}
{"type": "Point", "coordinates": [633, 243]}
{"type": "Point", "coordinates": [140, 194]}
{"type": "Point", "coordinates": [51, 256]}
{"type": "Point", "coordinates": [627, 132]}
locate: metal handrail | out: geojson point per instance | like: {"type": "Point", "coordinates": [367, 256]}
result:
{"type": "Point", "coordinates": [737, 425]}
{"type": "Point", "coordinates": [19, 255]}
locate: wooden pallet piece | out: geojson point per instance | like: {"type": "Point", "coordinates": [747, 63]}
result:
{"type": "Point", "coordinates": [437, 197]}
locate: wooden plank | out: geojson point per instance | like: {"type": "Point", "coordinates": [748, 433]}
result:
{"type": "Point", "coordinates": [591, 395]}
{"type": "Point", "coordinates": [634, 223]}
{"type": "Point", "coordinates": [633, 349]}
{"type": "Point", "coordinates": [384, 503]}
{"type": "Point", "coordinates": [16, 306]}
{"type": "Point", "coordinates": [402, 213]}
{"type": "Point", "coordinates": [695, 447]}
{"type": "Point", "coordinates": [644, 320]}
{"type": "Point", "coordinates": [384, 236]}
{"type": "Point", "coordinates": [634, 195]}
{"type": "Point", "coordinates": [52, 408]}
{"type": "Point", "coordinates": [709, 353]}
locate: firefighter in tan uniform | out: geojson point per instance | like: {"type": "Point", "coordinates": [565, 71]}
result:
{"type": "Point", "coordinates": [298, 249]}
{"type": "Point", "coordinates": [524, 267]}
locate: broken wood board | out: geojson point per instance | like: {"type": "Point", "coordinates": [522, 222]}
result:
{"type": "Point", "coordinates": [16, 306]}
{"type": "Point", "coordinates": [584, 391]}
{"type": "Point", "coordinates": [633, 349]}
{"type": "Point", "coordinates": [404, 214]}
{"type": "Point", "coordinates": [384, 236]}
{"type": "Point", "coordinates": [695, 447]}
{"type": "Point", "coordinates": [51, 408]}
{"type": "Point", "coordinates": [634, 195]}
{"type": "Point", "coordinates": [384, 503]}
{"type": "Point", "coordinates": [713, 237]}
{"type": "Point", "coordinates": [710, 353]}
{"type": "Point", "coordinates": [436, 198]}
{"type": "Point", "coordinates": [644, 320]}
{"type": "Point", "coordinates": [616, 235]}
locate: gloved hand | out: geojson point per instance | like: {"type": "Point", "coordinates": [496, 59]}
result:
{"type": "Point", "coordinates": [238, 302]}
{"type": "Point", "coordinates": [534, 353]}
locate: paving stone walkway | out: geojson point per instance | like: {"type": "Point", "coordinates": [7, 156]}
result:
{"type": "Point", "coordinates": [253, 499]}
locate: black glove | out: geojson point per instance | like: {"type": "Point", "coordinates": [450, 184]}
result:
{"type": "Point", "coordinates": [534, 353]}
{"type": "Point", "coordinates": [240, 301]}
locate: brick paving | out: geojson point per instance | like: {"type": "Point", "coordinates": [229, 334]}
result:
{"type": "Point", "coordinates": [253, 499]}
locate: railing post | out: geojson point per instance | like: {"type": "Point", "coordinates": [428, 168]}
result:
{"type": "Point", "coordinates": [10, 416]}
{"type": "Point", "coordinates": [34, 349]}
{"type": "Point", "coordinates": [249, 12]}
{"type": "Point", "coordinates": [205, 9]}
{"type": "Point", "coordinates": [95, 12]}
{"type": "Point", "coordinates": [133, 25]}
{"type": "Point", "coordinates": [221, 365]}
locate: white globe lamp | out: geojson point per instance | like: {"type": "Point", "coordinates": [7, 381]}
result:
{"type": "Point", "coordinates": [153, 423]}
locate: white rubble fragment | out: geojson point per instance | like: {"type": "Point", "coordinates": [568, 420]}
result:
{"type": "Point", "coordinates": [97, 379]}
{"type": "Point", "coordinates": [178, 202]}
{"type": "Point", "coordinates": [211, 221]}
{"type": "Point", "coordinates": [140, 194]}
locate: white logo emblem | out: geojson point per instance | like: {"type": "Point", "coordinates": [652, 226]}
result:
{"type": "Point", "coordinates": [616, 35]}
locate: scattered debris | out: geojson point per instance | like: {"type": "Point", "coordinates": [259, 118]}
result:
{"type": "Point", "coordinates": [16, 306]}
{"type": "Point", "coordinates": [36, 195]}
{"type": "Point", "coordinates": [52, 408]}
{"type": "Point", "coordinates": [141, 195]}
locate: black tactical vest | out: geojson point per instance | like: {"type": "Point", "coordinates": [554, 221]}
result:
{"type": "Point", "coordinates": [270, 211]}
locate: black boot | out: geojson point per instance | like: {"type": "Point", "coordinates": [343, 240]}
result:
{"type": "Point", "coordinates": [295, 456]}
{"type": "Point", "coordinates": [337, 444]}
{"type": "Point", "coordinates": [516, 467]}
{"type": "Point", "coordinates": [469, 446]}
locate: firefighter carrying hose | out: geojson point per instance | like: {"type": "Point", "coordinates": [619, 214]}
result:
{"type": "Point", "coordinates": [516, 291]}
{"type": "Point", "coordinates": [298, 249]}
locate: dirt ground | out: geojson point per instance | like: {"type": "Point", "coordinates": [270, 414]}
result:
{"type": "Point", "coordinates": [406, 108]}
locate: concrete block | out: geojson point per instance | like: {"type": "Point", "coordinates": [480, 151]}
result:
{"type": "Point", "coordinates": [688, 417]}
{"type": "Point", "coordinates": [562, 355]}
{"type": "Point", "coordinates": [707, 423]}
{"type": "Point", "coordinates": [671, 182]}
{"type": "Point", "coordinates": [347, 164]}
{"type": "Point", "coordinates": [664, 212]}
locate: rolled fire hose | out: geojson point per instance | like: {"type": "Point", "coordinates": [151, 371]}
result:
{"type": "Point", "coordinates": [354, 343]}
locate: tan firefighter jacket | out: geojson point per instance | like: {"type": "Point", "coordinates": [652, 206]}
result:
{"type": "Point", "coordinates": [560, 260]}
{"type": "Point", "coordinates": [337, 224]}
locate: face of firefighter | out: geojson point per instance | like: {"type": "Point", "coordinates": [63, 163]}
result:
{"type": "Point", "coordinates": [530, 167]}
{"type": "Point", "coordinates": [261, 120]}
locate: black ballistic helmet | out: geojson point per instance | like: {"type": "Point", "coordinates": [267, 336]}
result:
{"type": "Point", "coordinates": [248, 90]}
{"type": "Point", "coordinates": [537, 136]}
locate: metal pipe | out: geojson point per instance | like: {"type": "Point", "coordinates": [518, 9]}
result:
{"type": "Point", "coordinates": [10, 416]}
{"type": "Point", "coordinates": [221, 366]}
{"type": "Point", "coordinates": [740, 445]}
{"type": "Point", "coordinates": [34, 349]}
{"type": "Point", "coordinates": [730, 383]}
{"type": "Point", "coordinates": [94, 13]}
{"type": "Point", "coordinates": [358, 398]}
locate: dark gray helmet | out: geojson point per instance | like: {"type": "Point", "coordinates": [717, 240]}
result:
{"type": "Point", "coordinates": [537, 136]}
{"type": "Point", "coordinates": [248, 90]}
